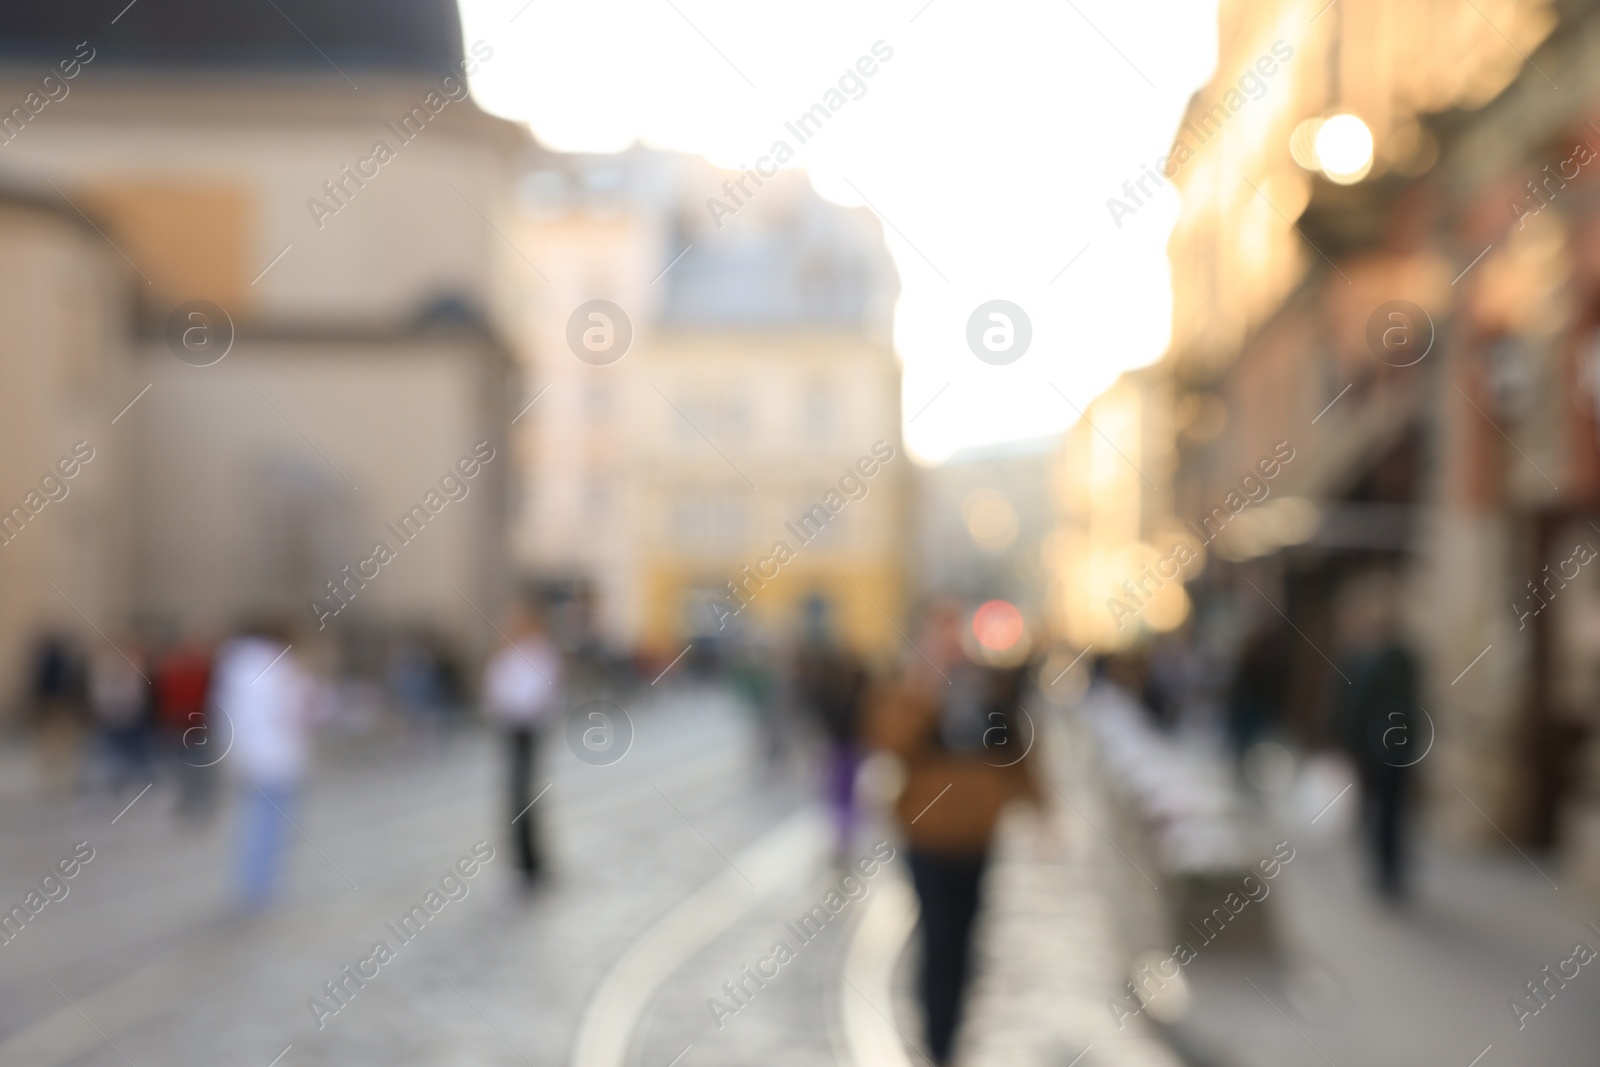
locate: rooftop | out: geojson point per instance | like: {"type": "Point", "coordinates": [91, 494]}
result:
{"type": "Point", "coordinates": [402, 35]}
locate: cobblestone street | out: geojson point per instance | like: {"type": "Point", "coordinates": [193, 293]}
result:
{"type": "Point", "coordinates": [652, 909]}
{"type": "Point", "coordinates": [145, 950]}
{"type": "Point", "coordinates": [677, 869]}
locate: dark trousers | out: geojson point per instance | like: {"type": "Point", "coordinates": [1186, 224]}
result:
{"type": "Point", "coordinates": [523, 743]}
{"type": "Point", "coordinates": [1385, 796]}
{"type": "Point", "coordinates": [948, 894]}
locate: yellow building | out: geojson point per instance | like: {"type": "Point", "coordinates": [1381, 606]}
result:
{"type": "Point", "coordinates": [1117, 561]}
{"type": "Point", "coordinates": [758, 386]}
{"type": "Point", "coordinates": [771, 484]}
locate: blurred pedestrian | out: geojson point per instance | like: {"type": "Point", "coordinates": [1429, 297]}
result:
{"type": "Point", "coordinates": [1117, 682]}
{"type": "Point", "coordinates": [121, 703]}
{"type": "Point", "coordinates": [940, 720]}
{"type": "Point", "coordinates": [56, 697]}
{"type": "Point", "coordinates": [522, 692]}
{"type": "Point", "coordinates": [1375, 716]}
{"type": "Point", "coordinates": [452, 681]}
{"type": "Point", "coordinates": [830, 684]}
{"type": "Point", "coordinates": [182, 683]}
{"type": "Point", "coordinates": [265, 698]}
{"type": "Point", "coordinates": [411, 670]}
{"type": "Point", "coordinates": [1259, 694]}
{"type": "Point", "coordinates": [750, 672]}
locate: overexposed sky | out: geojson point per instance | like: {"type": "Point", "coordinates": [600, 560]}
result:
{"type": "Point", "coordinates": [989, 143]}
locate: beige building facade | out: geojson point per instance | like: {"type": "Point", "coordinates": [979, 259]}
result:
{"type": "Point", "coordinates": [748, 393]}
{"type": "Point", "coordinates": [347, 247]}
{"type": "Point", "coordinates": [66, 366]}
{"type": "Point", "coordinates": [1437, 466]}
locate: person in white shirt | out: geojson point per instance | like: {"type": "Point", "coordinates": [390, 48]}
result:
{"type": "Point", "coordinates": [521, 694]}
{"type": "Point", "coordinates": [263, 699]}
{"type": "Point", "coordinates": [119, 696]}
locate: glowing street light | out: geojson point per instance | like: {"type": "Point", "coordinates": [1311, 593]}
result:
{"type": "Point", "coordinates": [1343, 147]}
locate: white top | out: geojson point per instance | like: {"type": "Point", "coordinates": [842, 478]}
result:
{"type": "Point", "coordinates": [522, 683]}
{"type": "Point", "coordinates": [264, 708]}
{"type": "Point", "coordinates": [117, 690]}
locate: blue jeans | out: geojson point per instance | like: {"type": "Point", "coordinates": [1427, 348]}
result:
{"type": "Point", "coordinates": [127, 750]}
{"type": "Point", "coordinates": [264, 812]}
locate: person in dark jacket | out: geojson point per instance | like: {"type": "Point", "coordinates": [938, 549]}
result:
{"type": "Point", "coordinates": [57, 692]}
{"type": "Point", "coordinates": [1259, 693]}
{"type": "Point", "coordinates": [830, 682]}
{"type": "Point", "coordinates": [1378, 720]}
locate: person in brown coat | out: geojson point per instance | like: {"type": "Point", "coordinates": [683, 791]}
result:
{"type": "Point", "coordinates": [957, 730]}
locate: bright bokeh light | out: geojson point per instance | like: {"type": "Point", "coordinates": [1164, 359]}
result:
{"type": "Point", "coordinates": [1303, 143]}
{"type": "Point", "coordinates": [1344, 148]}
{"type": "Point", "coordinates": [991, 520]}
{"type": "Point", "coordinates": [989, 143]}
{"type": "Point", "coordinates": [998, 625]}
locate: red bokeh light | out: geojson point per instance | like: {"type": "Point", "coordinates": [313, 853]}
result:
{"type": "Point", "coordinates": [997, 625]}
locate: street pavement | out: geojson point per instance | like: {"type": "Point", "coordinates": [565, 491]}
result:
{"type": "Point", "coordinates": [675, 868]}
{"type": "Point", "coordinates": [1049, 948]}
{"type": "Point", "coordinates": [1351, 981]}
{"type": "Point", "coordinates": [145, 953]}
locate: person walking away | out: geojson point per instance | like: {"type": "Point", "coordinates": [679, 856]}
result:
{"type": "Point", "coordinates": [182, 682]}
{"type": "Point", "coordinates": [1258, 696]}
{"type": "Point", "coordinates": [56, 693]}
{"type": "Point", "coordinates": [1376, 719]}
{"type": "Point", "coordinates": [412, 672]}
{"type": "Point", "coordinates": [752, 678]}
{"type": "Point", "coordinates": [831, 683]}
{"type": "Point", "coordinates": [264, 700]}
{"type": "Point", "coordinates": [120, 699]}
{"type": "Point", "coordinates": [942, 720]}
{"type": "Point", "coordinates": [522, 690]}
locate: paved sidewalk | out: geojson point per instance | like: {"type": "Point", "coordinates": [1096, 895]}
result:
{"type": "Point", "coordinates": [146, 951]}
{"type": "Point", "coordinates": [1352, 982]}
{"type": "Point", "coordinates": [1053, 934]}
{"type": "Point", "coordinates": [1051, 952]}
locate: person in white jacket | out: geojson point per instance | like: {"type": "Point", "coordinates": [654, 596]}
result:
{"type": "Point", "coordinates": [262, 698]}
{"type": "Point", "coordinates": [522, 693]}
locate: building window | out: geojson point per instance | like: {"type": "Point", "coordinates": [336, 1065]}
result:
{"type": "Point", "coordinates": [818, 416]}
{"type": "Point", "coordinates": [708, 522]}
{"type": "Point", "coordinates": [689, 419]}
{"type": "Point", "coordinates": [813, 523]}
{"type": "Point", "coordinates": [735, 422]}
{"type": "Point", "coordinates": [724, 417]}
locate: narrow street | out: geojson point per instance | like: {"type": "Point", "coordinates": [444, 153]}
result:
{"type": "Point", "coordinates": [147, 952]}
{"type": "Point", "coordinates": [677, 867]}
